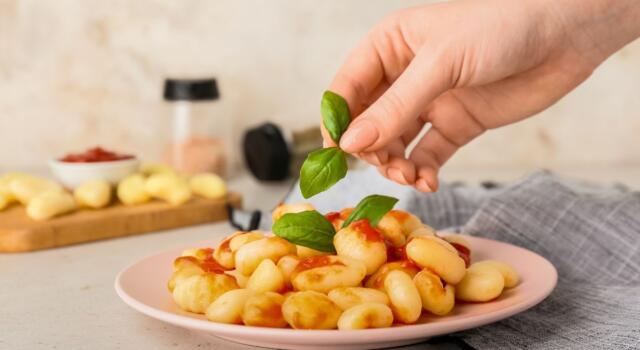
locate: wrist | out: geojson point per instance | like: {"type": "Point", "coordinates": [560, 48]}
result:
{"type": "Point", "coordinates": [598, 28]}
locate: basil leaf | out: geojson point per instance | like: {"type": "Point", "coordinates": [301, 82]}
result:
{"type": "Point", "coordinates": [372, 207]}
{"type": "Point", "coordinates": [335, 114]}
{"type": "Point", "coordinates": [308, 228]}
{"type": "Point", "coordinates": [321, 170]}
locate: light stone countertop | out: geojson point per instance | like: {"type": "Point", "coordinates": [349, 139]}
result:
{"type": "Point", "coordinates": [64, 298]}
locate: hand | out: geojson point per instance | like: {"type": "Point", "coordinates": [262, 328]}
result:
{"type": "Point", "coordinates": [466, 67]}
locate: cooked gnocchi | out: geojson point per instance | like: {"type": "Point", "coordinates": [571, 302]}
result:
{"type": "Point", "coordinates": [377, 277]}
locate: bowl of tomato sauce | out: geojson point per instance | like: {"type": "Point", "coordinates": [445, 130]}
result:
{"type": "Point", "coordinates": [96, 163]}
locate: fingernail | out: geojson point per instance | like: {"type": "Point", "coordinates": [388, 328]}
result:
{"type": "Point", "coordinates": [397, 176]}
{"type": "Point", "coordinates": [359, 136]}
{"type": "Point", "coordinates": [423, 186]}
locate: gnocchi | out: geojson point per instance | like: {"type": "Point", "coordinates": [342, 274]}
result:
{"type": "Point", "coordinates": [251, 254]}
{"type": "Point", "coordinates": [264, 310]}
{"type": "Point", "coordinates": [131, 190]}
{"type": "Point", "coordinates": [509, 274]}
{"type": "Point", "coordinates": [377, 277]}
{"type": "Point", "coordinates": [4, 201]}
{"type": "Point", "coordinates": [50, 204]}
{"type": "Point", "coordinates": [6, 196]}
{"type": "Point", "coordinates": [404, 297]}
{"type": "Point", "coordinates": [391, 230]}
{"type": "Point", "coordinates": [359, 241]}
{"type": "Point", "coordinates": [26, 187]}
{"type": "Point", "coordinates": [324, 273]}
{"type": "Point", "coordinates": [266, 278]}
{"type": "Point", "coordinates": [310, 310]}
{"type": "Point", "coordinates": [93, 194]}
{"type": "Point", "coordinates": [436, 297]}
{"type": "Point", "coordinates": [227, 308]}
{"type": "Point", "coordinates": [480, 284]}
{"type": "Point", "coordinates": [287, 264]}
{"type": "Point", "coordinates": [197, 292]}
{"type": "Point", "coordinates": [366, 315]}
{"type": "Point", "coordinates": [208, 185]}
{"type": "Point", "coordinates": [223, 253]}
{"type": "Point", "coordinates": [306, 252]}
{"type": "Point", "coordinates": [348, 297]}
{"type": "Point", "coordinates": [408, 222]}
{"type": "Point", "coordinates": [438, 256]}
{"type": "Point", "coordinates": [169, 187]}
{"type": "Point", "coordinates": [290, 208]}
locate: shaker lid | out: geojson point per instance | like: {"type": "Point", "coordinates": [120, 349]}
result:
{"type": "Point", "coordinates": [191, 89]}
{"type": "Point", "coordinates": [266, 153]}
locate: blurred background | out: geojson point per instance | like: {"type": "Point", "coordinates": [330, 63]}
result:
{"type": "Point", "coordinates": [74, 74]}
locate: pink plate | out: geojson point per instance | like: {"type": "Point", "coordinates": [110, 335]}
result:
{"type": "Point", "coordinates": [143, 286]}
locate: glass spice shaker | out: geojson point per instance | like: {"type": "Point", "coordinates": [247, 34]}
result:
{"type": "Point", "coordinates": [197, 130]}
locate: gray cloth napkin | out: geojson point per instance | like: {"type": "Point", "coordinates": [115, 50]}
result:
{"type": "Point", "coordinates": [591, 234]}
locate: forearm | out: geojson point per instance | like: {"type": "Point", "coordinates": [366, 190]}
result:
{"type": "Point", "coordinates": [598, 28]}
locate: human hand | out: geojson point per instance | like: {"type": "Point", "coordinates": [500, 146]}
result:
{"type": "Point", "coordinates": [466, 67]}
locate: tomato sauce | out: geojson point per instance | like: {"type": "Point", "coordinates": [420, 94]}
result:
{"type": "Point", "coordinates": [225, 245]}
{"type": "Point", "coordinates": [207, 251]}
{"type": "Point", "coordinates": [463, 252]}
{"type": "Point", "coordinates": [93, 155]}
{"type": "Point", "coordinates": [332, 216]}
{"type": "Point", "coordinates": [370, 233]}
{"type": "Point", "coordinates": [210, 265]}
{"type": "Point", "coordinates": [316, 261]}
{"type": "Point", "coordinates": [395, 253]}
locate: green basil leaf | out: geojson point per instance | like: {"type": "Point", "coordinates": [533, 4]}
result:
{"type": "Point", "coordinates": [373, 208]}
{"type": "Point", "coordinates": [335, 114]}
{"type": "Point", "coordinates": [321, 170]}
{"type": "Point", "coordinates": [308, 228]}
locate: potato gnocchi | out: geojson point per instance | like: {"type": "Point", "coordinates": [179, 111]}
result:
{"type": "Point", "coordinates": [377, 277]}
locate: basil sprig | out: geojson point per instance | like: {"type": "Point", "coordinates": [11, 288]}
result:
{"type": "Point", "coordinates": [373, 208]}
{"type": "Point", "coordinates": [308, 228]}
{"type": "Point", "coordinates": [312, 230]}
{"type": "Point", "coordinates": [324, 167]}
{"type": "Point", "coordinates": [335, 114]}
{"type": "Point", "coordinates": [321, 170]}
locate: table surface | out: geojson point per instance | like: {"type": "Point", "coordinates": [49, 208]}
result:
{"type": "Point", "coordinates": [64, 298]}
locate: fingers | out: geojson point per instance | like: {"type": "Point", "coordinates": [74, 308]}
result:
{"type": "Point", "coordinates": [359, 76]}
{"type": "Point", "coordinates": [387, 118]}
{"type": "Point", "coordinates": [396, 149]}
{"type": "Point", "coordinates": [452, 126]}
{"type": "Point", "coordinates": [377, 158]}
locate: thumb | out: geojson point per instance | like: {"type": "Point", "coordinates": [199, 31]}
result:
{"type": "Point", "coordinates": [424, 79]}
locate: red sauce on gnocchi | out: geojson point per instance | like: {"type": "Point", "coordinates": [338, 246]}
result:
{"type": "Point", "coordinates": [224, 246]}
{"type": "Point", "coordinates": [463, 252]}
{"type": "Point", "coordinates": [370, 233]}
{"type": "Point", "coordinates": [207, 251]}
{"type": "Point", "coordinates": [316, 261]}
{"type": "Point", "coordinates": [399, 215]}
{"type": "Point", "coordinates": [211, 265]}
{"type": "Point", "coordinates": [395, 253]}
{"type": "Point", "coordinates": [332, 216]}
{"type": "Point", "coordinates": [208, 264]}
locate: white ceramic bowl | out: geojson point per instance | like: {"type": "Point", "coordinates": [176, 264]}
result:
{"type": "Point", "coordinates": [73, 175]}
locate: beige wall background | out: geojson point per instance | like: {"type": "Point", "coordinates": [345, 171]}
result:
{"type": "Point", "coordinates": [77, 73]}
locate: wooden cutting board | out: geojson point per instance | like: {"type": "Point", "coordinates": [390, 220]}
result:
{"type": "Point", "coordinates": [19, 233]}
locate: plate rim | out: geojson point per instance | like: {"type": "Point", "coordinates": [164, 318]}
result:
{"type": "Point", "coordinates": [297, 336]}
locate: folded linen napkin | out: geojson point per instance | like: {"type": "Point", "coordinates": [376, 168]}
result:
{"type": "Point", "coordinates": [591, 234]}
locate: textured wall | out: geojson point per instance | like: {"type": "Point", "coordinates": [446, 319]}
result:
{"type": "Point", "coordinates": [75, 73]}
